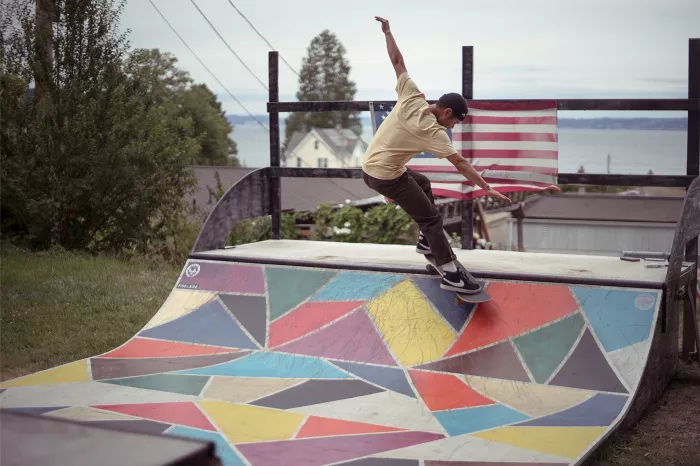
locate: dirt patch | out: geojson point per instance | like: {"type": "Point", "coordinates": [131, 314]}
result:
{"type": "Point", "coordinates": [669, 433]}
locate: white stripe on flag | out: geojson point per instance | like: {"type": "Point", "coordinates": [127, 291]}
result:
{"type": "Point", "coordinates": [512, 113]}
{"type": "Point", "coordinates": [505, 145]}
{"type": "Point", "coordinates": [489, 128]}
{"type": "Point", "coordinates": [484, 162]}
{"type": "Point", "coordinates": [496, 174]}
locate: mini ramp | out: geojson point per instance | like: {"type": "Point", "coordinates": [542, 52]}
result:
{"type": "Point", "coordinates": [285, 352]}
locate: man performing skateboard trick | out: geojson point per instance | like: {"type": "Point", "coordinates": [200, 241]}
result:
{"type": "Point", "coordinates": [414, 126]}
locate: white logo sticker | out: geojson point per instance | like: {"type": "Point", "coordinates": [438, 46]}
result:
{"type": "Point", "coordinates": [192, 270]}
{"type": "Point", "coordinates": [644, 301]}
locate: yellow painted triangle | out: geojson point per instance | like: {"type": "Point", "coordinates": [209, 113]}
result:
{"type": "Point", "coordinates": [178, 304]}
{"type": "Point", "coordinates": [530, 398]}
{"type": "Point", "coordinates": [568, 442]}
{"type": "Point", "coordinates": [414, 333]}
{"type": "Point", "coordinates": [74, 372]}
{"type": "Point", "coordinates": [245, 423]}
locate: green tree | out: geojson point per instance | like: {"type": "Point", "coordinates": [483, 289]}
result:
{"type": "Point", "coordinates": [158, 72]}
{"type": "Point", "coordinates": [325, 75]}
{"type": "Point", "coordinates": [98, 163]}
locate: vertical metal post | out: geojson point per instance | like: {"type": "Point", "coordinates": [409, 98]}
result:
{"type": "Point", "coordinates": [692, 168]}
{"type": "Point", "coordinates": [468, 93]}
{"type": "Point", "coordinates": [275, 188]}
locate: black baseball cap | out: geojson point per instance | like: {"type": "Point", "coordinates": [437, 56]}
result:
{"type": "Point", "coordinates": [457, 103]}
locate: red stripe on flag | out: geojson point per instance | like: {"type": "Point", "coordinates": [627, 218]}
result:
{"type": "Point", "coordinates": [513, 106]}
{"type": "Point", "coordinates": [508, 154]}
{"type": "Point", "coordinates": [451, 169]}
{"type": "Point", "coordinates": [500, 120]}
{"type": "Point", "coordinates": [479, 136]}
{"type": "Point", "coordinates": [490, 180]}
{"type": "Point", "coordinates": [437, 191]}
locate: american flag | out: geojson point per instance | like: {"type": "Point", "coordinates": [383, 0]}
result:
{"type": "Point", "coordinates": [512, 145]}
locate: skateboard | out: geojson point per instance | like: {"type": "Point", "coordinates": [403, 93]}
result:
{"type": "Point", "coordinates": [480, 297]}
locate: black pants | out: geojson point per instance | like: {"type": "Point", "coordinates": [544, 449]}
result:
{"type": "Point", "coordinates": [412, 192]}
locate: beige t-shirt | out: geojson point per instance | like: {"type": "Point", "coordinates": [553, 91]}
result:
{"type": "Point", "coordinates": [409, 130]}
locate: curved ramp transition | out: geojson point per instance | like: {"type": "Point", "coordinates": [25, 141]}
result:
{"type": "Point", "coordinates": [299, 365]}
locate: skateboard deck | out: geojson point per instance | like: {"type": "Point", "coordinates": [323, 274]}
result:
{"type": "Point", "coordinates": [480, 297]}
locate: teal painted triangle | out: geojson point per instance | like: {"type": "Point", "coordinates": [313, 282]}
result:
{"type": "Point", "coordinates": [184, 384]}
{"type": "Point", "coordinates": [357, 286]}
{"type": "Point", "coordinates": [223, 450]}
{"type": "Point", "coordinates": [288, 287]}
{"type": "Point", "coordinates": [619, 317]}
{"type": "Point", "coordinates": [543, 350]}
{"type": "Point", "coordinates": [278, 365]}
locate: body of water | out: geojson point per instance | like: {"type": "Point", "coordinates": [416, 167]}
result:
{"type": "Point", "coordinates": [631, 151]}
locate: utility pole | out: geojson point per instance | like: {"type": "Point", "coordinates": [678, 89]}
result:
{"type": "Point", "coordinates": [43, 43]}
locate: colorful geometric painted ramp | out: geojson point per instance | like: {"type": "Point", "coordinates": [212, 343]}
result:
{"type": "Point", "coordinates": [292, 365]}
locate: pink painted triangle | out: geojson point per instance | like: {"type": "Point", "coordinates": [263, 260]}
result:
{"type": "Point", "coordinates": [184, 413]}
{"type": "Point", "coordinates": [352, 338]}
{"type": "Point", "coordinates": [307, 318]}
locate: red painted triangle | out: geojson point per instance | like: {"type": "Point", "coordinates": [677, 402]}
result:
{"type": "Point", "coordinates": [144, 348]}
{"type": "Point", "coordinates": [317, 426]}
{"type": "Point", "coordinates": [184, 413]}
{"type": "Point", "coordinates": [307, 318]}
{"type": "Point", "coordinates": [445, 391]}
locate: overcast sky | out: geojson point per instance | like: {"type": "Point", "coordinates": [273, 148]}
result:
{"type": "Point", "coordinates": [522, 49]}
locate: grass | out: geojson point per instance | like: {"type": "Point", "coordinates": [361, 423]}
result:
{"type": "Point", "coordinates": [59, 307]}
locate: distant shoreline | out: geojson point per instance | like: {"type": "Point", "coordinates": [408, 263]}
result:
{"type": "Point", "coordinates": [657, 124]}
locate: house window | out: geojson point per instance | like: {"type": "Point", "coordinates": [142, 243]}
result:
{"type": "Point", "coordinates": [298, 162]}
{"type": "Point", "coordinates": [322, 162]}
{"type": "Point", "coordinates": [316, 145]}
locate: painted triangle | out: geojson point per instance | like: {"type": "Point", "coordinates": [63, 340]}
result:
{"type": "Point", "coordinates": [318, 451]}
{"type": "Point", "coordinates": [356, 286]}
{"type": "Point", "coordinates": [307, 318]}
{"type": "Point", "coordinates": [147, 348]}
{"type": "Point", "coordinates": [185, 384]}
{"type": "Point", "coordinates": [497, 361]}
{"type": "Point", "coordinates": [250, 312]}
{"type": "Point", "coordinates": [382, 462]}
{"type": "Point", "coordinates": [288, 287]}
{"type": "Point", "coordinates": [115, 368]}
{"type": "Point", "coordinates": [352, 338]}
{"type": "Point", "coordinates": [133, 425]}
{"type": "Point", "coordinates": [276, 365]}
{"type": "Point", "coordinates": [468, 420]}
{"type": "Point", "coordinates": [316, 426]}
{"type": "Point", "coordinates": [598, 411]}
{"type": "Point", "coordinates": [222, 448]}
{"type": "Point", "coordinates": [588, 369]}
{"type": "Point", "coordinates": [391, 378]}
{"type": "Point", "coordinates": [184, 413]}
{"type": "Point", "coordinates": [544, 349]}
{"type": "Point", "coordinates": [515, 308]}
{"type": "Point", "coordinates": [314, 392]}
{"type": "Point", "coordinates": [456, 313]}
{"type": "Point", "coordinates": [618, 317]}
{"type": "Point", "coordinates": [76, 371]}
{"type": "Point", "coordinates": [36, 410]}
{"type": "Point", "coordinates": [445, 391]}
{"type": "Point", "coordinates": [208, 325]}
{"type": "Point", "coordinates": [222, 277]}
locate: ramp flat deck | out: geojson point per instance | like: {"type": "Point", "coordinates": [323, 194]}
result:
{"type": "Point", "coordinates": [289, 364]}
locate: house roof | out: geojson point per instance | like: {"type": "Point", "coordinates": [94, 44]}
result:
{"type": "Point", "coordinates": [298, 194]}
{"type": "Point", "coordinates": [341, 141]}
{"type": "Point", "coordinates": [604, 207]}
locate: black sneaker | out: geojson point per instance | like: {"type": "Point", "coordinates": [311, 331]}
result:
{"type": "Point", "coordinates": [460, 281]}
{"type": "Point", "coordinates": [422, 246]}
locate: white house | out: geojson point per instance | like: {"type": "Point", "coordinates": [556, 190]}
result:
{"type": "Point", "coordinates": [325, 148]}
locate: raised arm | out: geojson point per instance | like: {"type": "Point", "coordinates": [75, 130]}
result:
{"type": "Point", "coordinates": [394, 53]}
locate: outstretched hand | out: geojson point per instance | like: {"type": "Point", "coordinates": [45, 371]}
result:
{"type": "Point", "coordinates": [493, 193]}
{"type": "Point", "coordinates": [385, 24]}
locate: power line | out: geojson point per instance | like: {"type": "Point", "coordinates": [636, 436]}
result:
{"type": "Point", "coordinates": [229, 47]}
{"type": "Point", "coordinates": [205, 66]}
{"type": "Point", "coordinates": [261, 36]}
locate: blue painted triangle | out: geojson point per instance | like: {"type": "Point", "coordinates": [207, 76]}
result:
{"type": "Point", "coordinates": [391, 378]}
{"type": "Point", "coordinates": [619, 317]}
{"type": "Point", "coordinates": [278, 365]}
{"type": "Point", "coordinates": [455, 314]}
{"type": "Point", "coordinates": [464, 421]}
{"type": "Point", "coordinates": [222, 449]}
{"type": "Point", "coordinates": [208, 325]}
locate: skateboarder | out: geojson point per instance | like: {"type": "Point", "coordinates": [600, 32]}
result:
{"type": "Point", "coordinates": [414, 126]}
